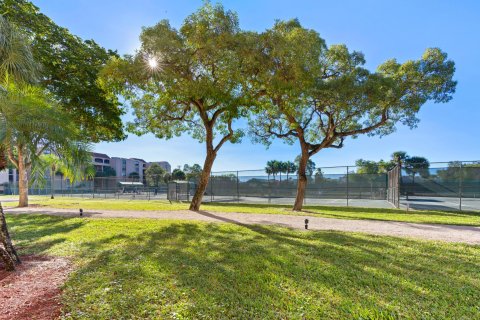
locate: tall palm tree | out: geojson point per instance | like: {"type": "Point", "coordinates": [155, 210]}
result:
{"type": "Point", "coordinates": [16, 63]}
{"type": "Point", "coordinates": [269, 169]}
{"type": "Point", "coordinates": [290, 167]}
{"type": "Point", "coordinates": [25, 140]}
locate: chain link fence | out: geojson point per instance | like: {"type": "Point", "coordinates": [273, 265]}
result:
{"type": "Point", "coordinates": [99, 187]}
{"type": "Point", "coordinates": [329, 185]}
{"type": "Point", "coordinates": [443, 186]}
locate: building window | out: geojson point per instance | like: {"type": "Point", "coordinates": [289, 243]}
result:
{"type": "Point", "coordinates": [124, 168]}
{"type": "Point", "coordinates": [106, 161]}
{"type": "Point", "coordinates": [99, 160]}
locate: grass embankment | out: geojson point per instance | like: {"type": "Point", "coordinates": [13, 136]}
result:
{"type": "Point", "coordinates": [436, 217]}
{"type": "Point", "coordinates": [141, 269]}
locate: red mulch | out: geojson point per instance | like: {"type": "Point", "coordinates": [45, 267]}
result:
{"type": "Point", "coordinates": [33, 290]}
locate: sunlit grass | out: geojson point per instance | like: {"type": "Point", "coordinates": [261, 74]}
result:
{"type": "Point", "coordinates": [156, 269]}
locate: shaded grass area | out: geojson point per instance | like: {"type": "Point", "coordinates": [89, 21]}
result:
{"type": "Point", "coordinates": [151, 269]}
{"type": "Point", "coordinates": [437, 217]}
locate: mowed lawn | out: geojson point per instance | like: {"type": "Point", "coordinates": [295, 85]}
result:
{"type": "Point", "coordinates": [437, 217]}
{"type": "Point", "coordinates": [156, 269]}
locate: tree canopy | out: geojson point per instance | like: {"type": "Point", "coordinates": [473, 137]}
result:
{"type": "Point", "coordinates": [203, 77]}
{"type": "Point", "coordinates": [320, 95]}
{"type": "Point", "coordinates": [192, 172]}
{"type": "Point", "coordinates": [154, 175]}
{"type": "Point", "coordinates": [411, 164]}
{"type": "Point", "coordinates": [178, 174]}
{"type": "Point", "coordinates": [188, 81]}
{"type": "Point", "coordinates": [69, 70]}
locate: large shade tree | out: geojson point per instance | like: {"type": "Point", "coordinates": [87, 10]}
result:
{"type": "Point", "coordinates": [317, 96]}
{"type": "Point", "coordinates": [188, 81]}
{"type": "Point", "coordinates": [70, 68]}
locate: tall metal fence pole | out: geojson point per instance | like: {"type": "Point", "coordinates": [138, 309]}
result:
{"type": "Point", "coordinates": [348, 188]}
{"type": "Point", "coordinates": [211, 187]}
{"type": "Point", "coordinates": [238, 191]}
{"type": "Point", "coordinates": [460, 186]}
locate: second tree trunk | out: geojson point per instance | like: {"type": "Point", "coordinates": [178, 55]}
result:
{"type": "Point", "coordinates": [203, 182]}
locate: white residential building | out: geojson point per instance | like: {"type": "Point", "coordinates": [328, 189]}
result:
{"type": "Point", "coordinates": [100, 161]}
{"type": "Point", "coordinates": [126, 167]}
{"type": "Point", "coordinates": [8, 176]}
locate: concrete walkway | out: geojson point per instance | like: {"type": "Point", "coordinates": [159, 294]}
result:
{"type": "Point", "coordinates": [448, 233]}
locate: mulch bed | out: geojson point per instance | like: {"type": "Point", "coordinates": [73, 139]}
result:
{"type": "Point", "coordinates": [33, 290]}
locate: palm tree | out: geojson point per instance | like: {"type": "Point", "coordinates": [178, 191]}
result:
{"type": "Point", "coordinates": [290, 167]}
{"type": "Point", "coordinates": [54, 164]}
{"type": "Point", "coordinates": [283, 168]}
{"type": "Point", "coordinates": [74, 167]}
{"type": "Point", "coordinates": [270, 169]}
{"type": "Point", "coordinates": [17, 63]}
{"type": "Point", "coordinates": [25, 140]}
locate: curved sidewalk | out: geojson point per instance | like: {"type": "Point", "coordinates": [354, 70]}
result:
{"type": "Point", "coordinates": [448, 233]}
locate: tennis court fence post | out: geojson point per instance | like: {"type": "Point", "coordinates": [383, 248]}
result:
{"type": "Point", "coordinates": [348, 186]}
{"type": "Point", "coordinates": [460, 186]}
{"type": "Point", "coordinates": [211, 187]}
{"type": "Point", "coordinates": [238, 192]}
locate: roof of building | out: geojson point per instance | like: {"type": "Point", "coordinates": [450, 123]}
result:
{"type": "Point", "coordinates": [138, 159]}
{"type": "Point", "coordinates": [99, 155]}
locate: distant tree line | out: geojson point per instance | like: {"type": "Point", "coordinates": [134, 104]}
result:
{"type": "Point", "coordinates": [412, 165]}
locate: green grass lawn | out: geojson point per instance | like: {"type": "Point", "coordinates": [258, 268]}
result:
{"type": "Point", "coordinates": [143, 269]}
{"type": "Point", "coordinates": [443, 217]}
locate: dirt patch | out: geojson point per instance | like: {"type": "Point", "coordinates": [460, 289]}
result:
{"type": "Point", "coordinates": [33, 290]}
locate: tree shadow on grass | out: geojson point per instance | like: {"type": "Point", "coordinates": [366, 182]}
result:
{"type": "Point", "coordinates": [196, 270]}
{"type": "Point", "coordinates": [162, 269]}
{"type": "Point", "coordinates": [27, 231]}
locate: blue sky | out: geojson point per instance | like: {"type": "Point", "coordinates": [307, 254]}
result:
{"type": "Point", "coordinates": [380, 29]}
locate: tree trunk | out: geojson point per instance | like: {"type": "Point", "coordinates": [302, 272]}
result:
{"type": "Point", "coordinates": [7, 260]}
{"type": "Point", "coordinates": [5, 238]}
{"type": "Point", "coordinates": [302, 180]}
{"type": "Point", "coordinates": [203, 182]}
{"type": "Point", "coordinates": [22, 185]}
{"type": "Point", "coordinates": [8, 254]}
